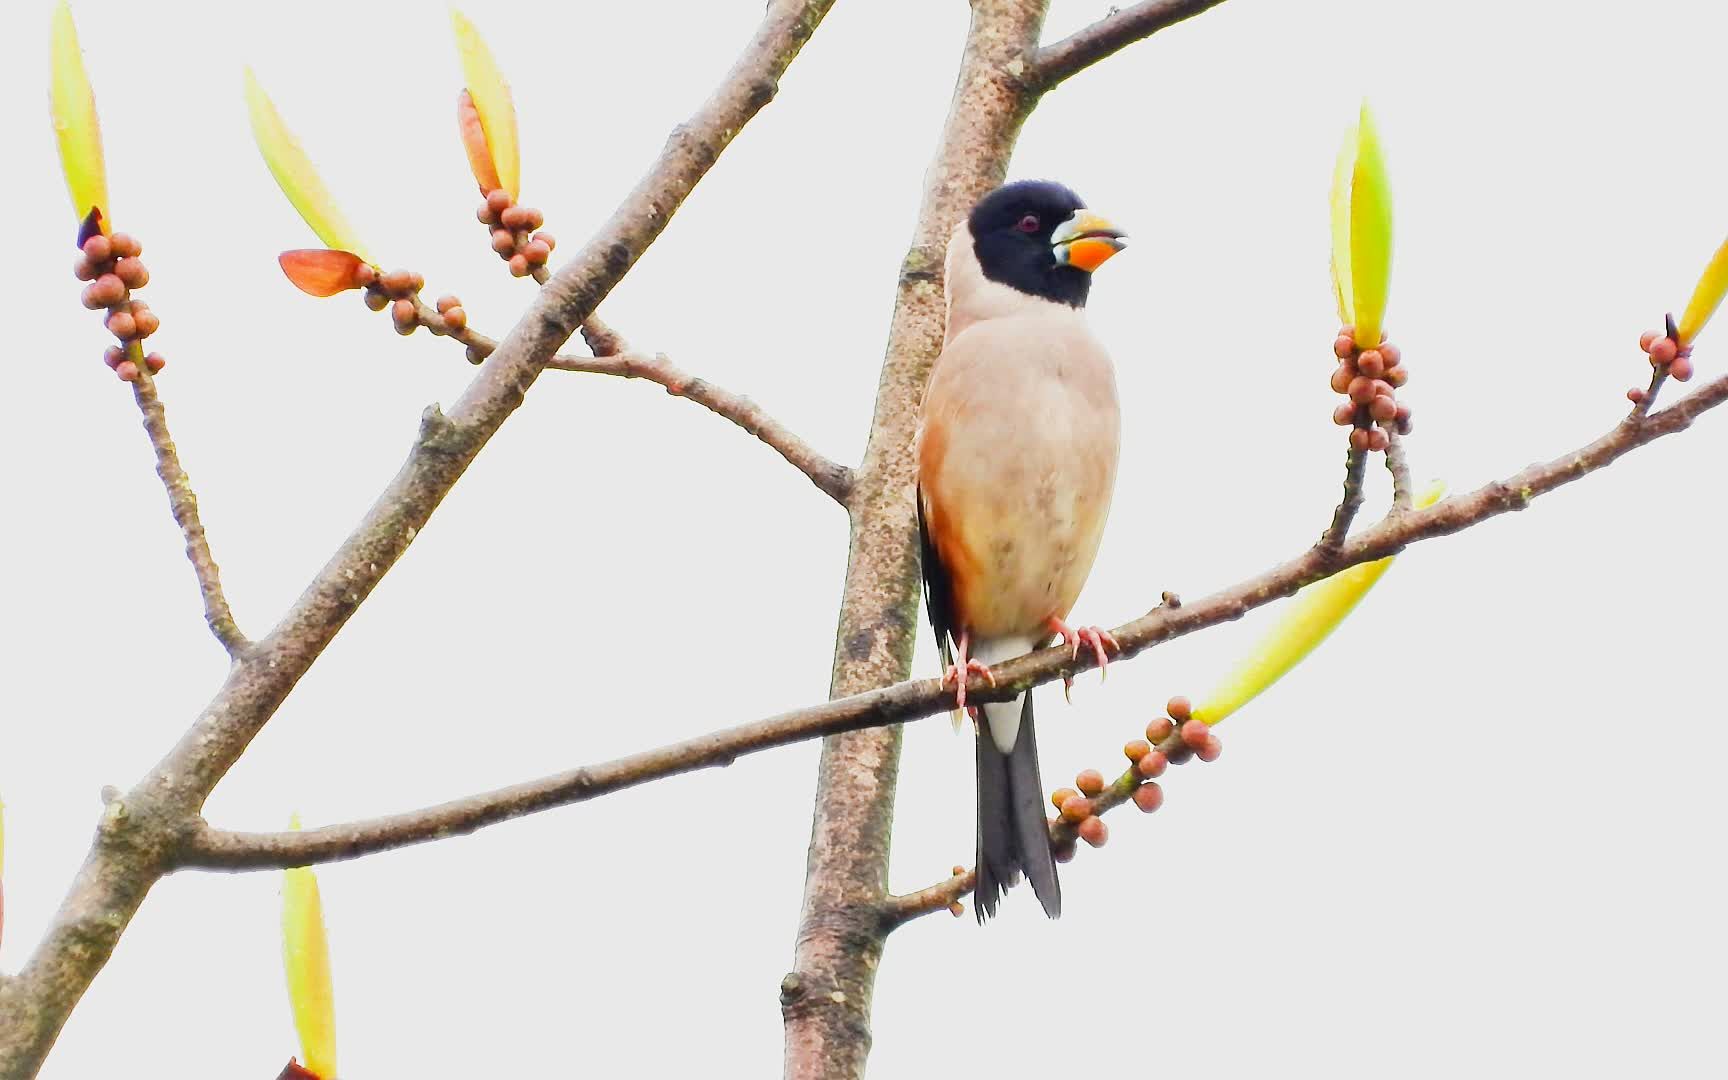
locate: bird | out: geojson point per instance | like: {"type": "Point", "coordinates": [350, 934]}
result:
{"type": "Point", "coordinates": [1017, 446]}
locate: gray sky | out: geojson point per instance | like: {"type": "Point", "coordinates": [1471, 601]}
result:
{"type": "Point", "coordinates": [1466, 835]}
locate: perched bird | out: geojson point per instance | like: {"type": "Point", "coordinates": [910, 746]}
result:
{"type": "Point", "coordinates": [1017, 447]}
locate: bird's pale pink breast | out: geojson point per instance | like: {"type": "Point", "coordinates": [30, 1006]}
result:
{"type": "Point", "coordinates": [1017, 462]}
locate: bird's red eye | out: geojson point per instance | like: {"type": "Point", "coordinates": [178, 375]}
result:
{"type": "Point", "coordinates": [1028, 223]}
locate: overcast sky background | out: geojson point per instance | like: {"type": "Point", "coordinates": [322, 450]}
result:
{"type": "Point", "coordinates": [1477, 832]}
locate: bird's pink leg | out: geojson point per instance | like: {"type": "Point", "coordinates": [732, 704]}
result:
{"type": "Point", "coordinates": [1100, 641]}
{"type": "Point", "coordinates": [963, 666]}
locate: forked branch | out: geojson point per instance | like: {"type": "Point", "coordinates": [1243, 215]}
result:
{"type": "Point", "coordinates": [216, 849]}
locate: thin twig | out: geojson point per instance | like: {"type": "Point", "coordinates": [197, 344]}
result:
{"type": "Point", "coordinates": [183, 503]}
{"type": "Point", "coordinates": [612, 356]}
{"type": "Point", "coordinates": [1114, 32]}
{"type": "Point", "coordinates": [1355, 467]}
{"type": "Point", "coordinates": [913, 699]}
{"type": "Point", "coordinates": [1403, 497]}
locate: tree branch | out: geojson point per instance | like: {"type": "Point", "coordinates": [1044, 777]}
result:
{"type": "Point", "coordinates": [825, 1000]}
{"type": "Point", "coordinates": [612, 356]}
{"type": "Point", "coordinates": [1403, 491]}
{"type": "Point", "coordinates": [140, 830]}
{"type": "Point", "coordinates": [1355, 468]}
{"type": "Point", "coordinates": [1119, 29]}
{"type": "Point", "coordinates": [909, 700]}
{"type": "Point", "coordinates": [184, 506]}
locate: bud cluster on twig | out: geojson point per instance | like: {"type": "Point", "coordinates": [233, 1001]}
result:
{"type": "Point", "coordinates": [515, 238]}
{"type": "Point", "coordinates": [1170, 740]}
{"type": "Point", "coordinates": [1667, 356]}
{"type": "Point", "coordinates": [112, 266]}
{"type": "Point", "coordinates": [398, 290]}
{"type": "Point", "coordinates": [1370, 378]}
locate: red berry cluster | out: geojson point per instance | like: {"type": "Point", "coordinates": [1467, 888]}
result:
{"type": "Point", "coordinates": [1165, 744]}
{"type": "Point", "coordinates": [112, 266]}
{"type": "Point", "coordinates": [1664, 348]}
{"type": "Point", "coordinates": [513, 233]}
{"type": "Point", "coordinates": [1370, 378]}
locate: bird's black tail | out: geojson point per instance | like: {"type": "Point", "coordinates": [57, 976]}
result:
{"type": "Point", "coordinates": [1013, 835]}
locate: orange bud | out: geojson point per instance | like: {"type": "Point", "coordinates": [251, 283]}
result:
{"type": "Point", "coordinates": [321, 271]}
{"type": "Point", "coordinates": [1152, 765]}
{"type": "Point", "coordinates": [1076, 808]}
{"type": "Point", "coordinates": [1195, 733]}
{"type": "Point", "coordinates": [1148, 797]}
{"type": "Point", "coordinates": [1062, 795]}
{"type": "Point", "coordinates": [1089, 781]}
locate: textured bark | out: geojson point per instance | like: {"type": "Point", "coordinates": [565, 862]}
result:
{"type": "Point", "coordinates": [140, 829]}
{"type": "Point", "coordinates": [825, 1000]}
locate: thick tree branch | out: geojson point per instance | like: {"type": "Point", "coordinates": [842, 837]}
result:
{"type": "Point", "coordinates": [612, 356]}
{"type": "Point", "coordinates": [909, 700]}
{"type": "Point", "coordinates": [184, 506]}
{"type": "Point", "coordinates": [141, 829]}
{"type": "Point", "coordinates": [1119, 29]}
{"type": "Point", "coordinates": [826, 999]}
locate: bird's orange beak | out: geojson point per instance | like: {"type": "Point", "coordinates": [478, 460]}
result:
{"type": "Point", "coordinates": [1086, 240]}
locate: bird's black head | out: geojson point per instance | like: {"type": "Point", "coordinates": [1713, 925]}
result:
{"type": "Point", "coordinates": [1037, 237]}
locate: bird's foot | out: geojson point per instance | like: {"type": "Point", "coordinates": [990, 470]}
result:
{"type": "Point", "coordinates": [1102, 643]}
{"type": "Point", "coordinates": [958, 672]}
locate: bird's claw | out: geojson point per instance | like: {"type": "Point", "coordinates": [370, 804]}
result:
{"type": "Point", "coordinates": [1102, 643]}
{"type": "Point", "coordinates": [957, 674]}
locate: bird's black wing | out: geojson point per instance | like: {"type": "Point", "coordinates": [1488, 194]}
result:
{"type": "Point", "coordinates": [938, 590]}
